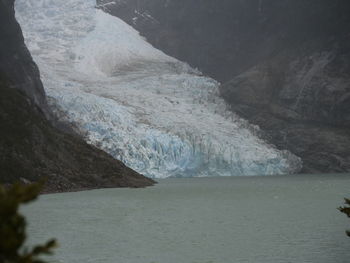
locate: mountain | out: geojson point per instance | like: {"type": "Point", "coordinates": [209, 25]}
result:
{"type": "Point", "coordinates": [155, 113]}
{"type": "Point", "coordinates": [284, 65]}
{"type": "Point", "coordinates": [31, 147]}
{"type": "Point", "coordinates": [17, 66]}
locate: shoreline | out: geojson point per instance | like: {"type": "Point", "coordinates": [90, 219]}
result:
{"type": "Point", "coordinates": [158, 180]}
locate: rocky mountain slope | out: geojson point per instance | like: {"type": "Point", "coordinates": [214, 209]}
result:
{"type": "Point", "coordinates": [301, 99]}
{"type": "Point", "coordinates": [16, 64]}
{"type": "Point", "coordinates": [30, 146]}
{"type": "Point", "coordinates": [284, 64]}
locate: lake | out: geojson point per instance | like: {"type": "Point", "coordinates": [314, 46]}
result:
{"type": "Point", "coordinates": [199, 220]}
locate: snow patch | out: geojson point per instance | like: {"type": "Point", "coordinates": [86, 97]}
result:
{"type": "Point", "coordinates": [112, 45]}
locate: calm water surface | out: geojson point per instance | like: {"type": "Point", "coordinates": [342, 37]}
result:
{"type": "Point", "coordinates": [203, 220]}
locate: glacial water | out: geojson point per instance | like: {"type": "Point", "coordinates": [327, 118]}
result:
{"type": "Point", "coordinates": [199, 220]}
{"type": "Point", "coordinates": [156, 114]}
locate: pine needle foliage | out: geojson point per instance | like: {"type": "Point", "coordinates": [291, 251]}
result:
{"type": "Point", "coordinates": [13, 225]}
{"type": "Point", "coordinates": [346, 210]}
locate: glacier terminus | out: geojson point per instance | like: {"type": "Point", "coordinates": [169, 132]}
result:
{"type": "Point", "coordinates": [156, 114]}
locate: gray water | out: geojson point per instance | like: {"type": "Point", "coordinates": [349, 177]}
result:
{"type": "Point", "coordinates": [203, 220]}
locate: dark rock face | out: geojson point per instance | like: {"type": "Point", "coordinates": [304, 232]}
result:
{"type": "Point", "coordinates": [17, 65]}
{"type": "Point", "coordinates": [285, 64]}
{"type": "Point", "coordinates": [298, 84]}
{"type": "Point", "coordinates": [224, 38]}
{"type": "Point", "coordinates": [30, 146]}
{"type": "Point", "coordinates": [302, 103]}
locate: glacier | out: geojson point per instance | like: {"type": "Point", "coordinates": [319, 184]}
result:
{"type": "Point", "coordinates": [156, 114]}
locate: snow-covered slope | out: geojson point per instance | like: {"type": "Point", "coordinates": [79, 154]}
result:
{"type": "Point", "coordinates": [158, 115]}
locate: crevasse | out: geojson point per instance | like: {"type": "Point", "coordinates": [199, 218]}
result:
{"type": "Point", "coordinates": [153, 112]}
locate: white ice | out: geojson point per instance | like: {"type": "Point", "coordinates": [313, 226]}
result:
{"type": "Point", "coordinates": [153, 112]}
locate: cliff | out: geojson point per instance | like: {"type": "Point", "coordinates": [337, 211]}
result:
{"type": "Point", "coordinates": [301, 99]}
{"type": "Point", "coordinates": [30, 146]}
{"type": "Point", "coordinates": [16, 63]}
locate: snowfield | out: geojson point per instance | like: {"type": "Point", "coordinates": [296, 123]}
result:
{"type": "Point", "coordinates": [153, 112]}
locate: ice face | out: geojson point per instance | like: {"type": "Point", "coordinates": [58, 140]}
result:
{"type": "Point", "coordinates": [153, 112]}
